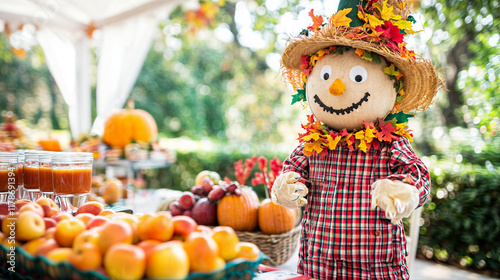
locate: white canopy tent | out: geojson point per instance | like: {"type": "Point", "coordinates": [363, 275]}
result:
{"type": "Point", "coordinates": [127, 29]}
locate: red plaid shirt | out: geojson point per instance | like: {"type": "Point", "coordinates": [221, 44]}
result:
{"type": "Point", "coordinates": [341, 236]}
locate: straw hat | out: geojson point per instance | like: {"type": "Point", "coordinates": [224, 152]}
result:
{"type": "Point", "coordinates": [369, 29]}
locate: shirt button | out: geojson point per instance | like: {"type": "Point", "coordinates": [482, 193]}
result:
{"type": "Point", "coordinates": [377, 233]}
{"type": "Point", "coordinates": [319, 251]}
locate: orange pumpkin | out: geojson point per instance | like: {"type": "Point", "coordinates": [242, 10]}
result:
{"type": "Point", "coordinates": [274, 219]}
{"type": "Point", "coordinates": [239, 212]}
{"type": "Point", "coordinates": [50, 144]}
{"type": "Point", "coordinates": [129, 124]}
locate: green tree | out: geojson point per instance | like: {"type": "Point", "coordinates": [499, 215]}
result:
{"type": "Point", "coordinates": [465, 40]}
{"type": "Point", "coordinates": [198, 86]}
{"type": "Point", "coordinates": [26, 81]}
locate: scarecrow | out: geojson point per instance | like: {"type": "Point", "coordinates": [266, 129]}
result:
{"type": "Point", "coordinates": [355, 162]}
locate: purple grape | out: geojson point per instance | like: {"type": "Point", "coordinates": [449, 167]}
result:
{"type": "Point", "coordinates": [175, 209]}
{"type": "Point", "coordinates": [216, 194]}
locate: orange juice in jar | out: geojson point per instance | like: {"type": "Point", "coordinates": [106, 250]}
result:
{"type": "Point", "coordinates": [21, 193]}
{"type": "Point", "coordinates": [8, 176]}
{"type": "Point", "coordinates": [72, 178]}
{"type": "Point", "coordinates": [32, 174]}
{"type": "Point", "coordinates": [45, 173]}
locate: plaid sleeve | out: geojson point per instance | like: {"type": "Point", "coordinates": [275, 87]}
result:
{"type": "Point", "coordinates": [297, 162]}
{"type": "Point", "coordinates": [405, 163]}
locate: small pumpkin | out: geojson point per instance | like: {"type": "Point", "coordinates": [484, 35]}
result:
{"type": "Point", "coordinates": [239, 212]}
{"type": "Point", "coordinates": [274, 219]}
{"type": "Point", "coordinates": [50, 144]}
{"type": "Point", "coordinates": [129, 124]}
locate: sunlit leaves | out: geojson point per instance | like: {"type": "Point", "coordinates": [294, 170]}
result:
{"type": "Point", "coordinates": [340, 18]}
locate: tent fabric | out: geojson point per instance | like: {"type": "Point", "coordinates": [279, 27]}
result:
{"type": "Point", "coordinates": [127, 30]}
{"type": "Point", "coordinates": [122, 52]}
{"type": "Point", "coordinates": [68, 58]}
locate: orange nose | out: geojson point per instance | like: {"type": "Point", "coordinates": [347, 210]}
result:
{"type": "Point", "coordinates": [337, 87]}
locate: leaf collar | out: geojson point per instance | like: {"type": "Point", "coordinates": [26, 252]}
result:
{"type": "Point", "coordinates": [318, 138]}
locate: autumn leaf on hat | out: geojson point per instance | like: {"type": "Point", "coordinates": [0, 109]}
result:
{"type": "Point", "coordinates": [386, 12]}
{"type": "Point", "coordinates": [373, 21]}
{"type": "Point", "coordinates": [391, 70]}
{"type": "Point", "coordinates": [341, 19]}
{"type": "Point", "coordinates": [317, 21]}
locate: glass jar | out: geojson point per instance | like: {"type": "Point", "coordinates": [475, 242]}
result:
{"type": "Point", "coordinates": [21, 193]}
{"type": "Point", "coordinates": [32, 174]}
{"type": "Point", "coordinates": [45, 172]}
{"type": "Point", "coordinates": [8, 176]}
{"type": "Point", "coordinates": [72, 178]}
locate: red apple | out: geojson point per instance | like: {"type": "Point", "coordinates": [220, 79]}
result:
{"type": "Point", "coordinates": [186, 201]}
{"type": "Point", "coordinates": [91, 207]}
{"type": "Point", "coordinates": [97, 221]}
{"type": "Point", "coordinates": [205, 212]}
{"type": "Point", "coordinates": [34, 208]}
{"type": "Point", "coordinates": [50, 233]}
{"type": "Point", "coordinates": [62, 216]}
{"type": "Point", "coordinates": [46, 247]}
{"type": "Point", "coordinates": [32, 246]}
{"type": "Point", "coordinates": [157, 226]}
{"type": "Point", "coordinates": [67, 230]}
{"type": "Point", "coordinates": [148, 246]}
{"type": "Point", "coordinates": [4, 208]}
{"type": "Point", "coordinates": [86, 257]}
{"type": "Point", "coordinates": [188, 213]}
{"type": "Point", "coordinates": [49, 223]}
{"type": "Point", "coordinates": [114, 232]}
{"type": "Point", "coordinates": [85, 217]}
{"type": "Point", "coordinates": [29, 226]}
{"type": "Point", "coordinates": [184, 225]}
{"type": "Point", "coordinates": [20, 203]}
{"type": "Point", "coordinates": [49, 207]}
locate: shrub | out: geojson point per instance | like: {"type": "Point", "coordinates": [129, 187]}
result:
{"type": "Point", "coordinates": [462, 221]}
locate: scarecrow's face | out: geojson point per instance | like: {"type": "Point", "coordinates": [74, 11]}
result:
{"type": "Point", "coordinates": [345, 90]}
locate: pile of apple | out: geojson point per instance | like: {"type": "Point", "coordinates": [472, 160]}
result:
{"type": "Point", "coordinates": [201, 202]}
{"type": "Point", "coordinates": [120, 245]}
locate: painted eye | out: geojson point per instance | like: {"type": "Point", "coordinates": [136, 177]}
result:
{"type": "Point", "coordinates": [326, 72]}
{"type": "Point", "coordinates": [358, 74]}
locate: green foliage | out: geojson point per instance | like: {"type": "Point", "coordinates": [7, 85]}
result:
{"type": "Point", "coordinates": [462, 222]}
{"type": "Point", "coordinates": [467, 43]}
{"type": "Point", "coordinates": [28, 90]}
{"type": "Point", "coordinates": [185, 94]}
{"type": "Point", "coordinates": [197, 86]}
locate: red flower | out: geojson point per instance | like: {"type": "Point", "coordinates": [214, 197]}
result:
{"type": "Point", "coordinates": [242, 172]}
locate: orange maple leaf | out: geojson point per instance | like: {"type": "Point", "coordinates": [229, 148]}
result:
{"type": "Point", "coordinates": [317, 21]}
{"type": "Point", "coordinates": [360, 52]}
{"type": "Point", "coordinates": [340, 18]}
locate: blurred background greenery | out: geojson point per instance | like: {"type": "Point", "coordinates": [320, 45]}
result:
{"type": "Point", "coordinates": [215, 81]}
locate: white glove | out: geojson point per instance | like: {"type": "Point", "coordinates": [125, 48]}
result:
{"type": "Point", "coordinates": [397, 198]}
{"type": "Point", "coordinates": [288, 191]}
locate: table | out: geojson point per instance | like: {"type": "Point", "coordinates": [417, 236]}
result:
{"type": "Point", "coordinates": [129, 169]}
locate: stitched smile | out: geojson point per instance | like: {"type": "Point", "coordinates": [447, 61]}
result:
{"type": "Point", "coordinates": [347, 110]}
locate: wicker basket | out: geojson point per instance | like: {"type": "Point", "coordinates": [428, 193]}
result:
{"type": "Point", "coordinates": [278, 247]}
